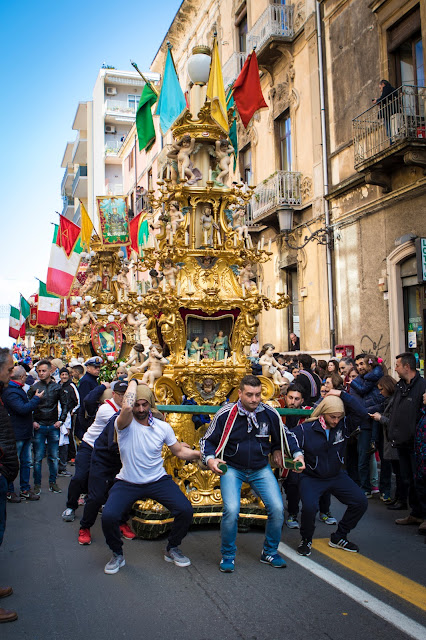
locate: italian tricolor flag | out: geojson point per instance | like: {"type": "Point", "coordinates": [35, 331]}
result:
{"type": "Point", "coordinates": [24, 314]}
{"type": "Point", "coordinates": [62, 270]}
{"type": "Point", "coordinates": [49, 307]}
{"type": "Point", "coordinates": [14, 322]}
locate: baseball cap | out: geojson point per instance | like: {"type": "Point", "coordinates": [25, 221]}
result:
{"type": "Point", "coordinates": [120, 387]}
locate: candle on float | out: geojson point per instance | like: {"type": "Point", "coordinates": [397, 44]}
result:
{"type": "Point", "coordinates": [226, 357]}
{"type": "Point", "coordinates": [186, 239]}
{"type": "Point", "coordinates": [219, 241]}
{"type": "Point", "coordinates": [164, 285]}
{"type": "Point", "coordinates": [235, 240]}
{"type": "Point", "coordinates": [234, 358]}
{"type": "Point", "coordinates": [269, 245]}
{"type": "Point", "coordinates": [262, 243]}
{"type": "Point", "coordinates": [168, 172]}
{"type": "Point", "coordinates": [178, 289]}
{"type": "Point", "coordinates": [198, 355]}
{"type": "Point", "coordinates": [258, 246]}
{"type": "Point", "coordinates": [189, 285]}
{"type": "Point", "coordinates": [210, 175]}
{"type": "Point", "coordinates": [243, 287]}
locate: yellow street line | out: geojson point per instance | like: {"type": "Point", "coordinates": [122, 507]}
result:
{"type": "Point", "coordinates": [390, 580]}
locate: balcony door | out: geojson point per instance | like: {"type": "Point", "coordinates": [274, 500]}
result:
{"type": "Point", "coordinates": [283, 126]}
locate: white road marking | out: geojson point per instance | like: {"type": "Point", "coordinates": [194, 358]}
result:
{"type": "Point", "coordinates": [399, 620]}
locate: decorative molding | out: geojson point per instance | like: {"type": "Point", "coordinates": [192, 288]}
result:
{"type": "Point", "coordinates": [307, 188]}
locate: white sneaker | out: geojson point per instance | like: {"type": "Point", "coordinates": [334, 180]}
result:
{"type": "Point", "coordinates": [115, 564]}
{"type": "Point", "coordinates": [174, 554]}
{"type": "Point", "coordinates": [68, 515]}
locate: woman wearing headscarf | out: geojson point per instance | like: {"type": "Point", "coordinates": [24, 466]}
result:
{"type": "Point", "coordinates": [323, 439]}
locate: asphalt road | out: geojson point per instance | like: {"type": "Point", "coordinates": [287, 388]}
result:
{"type": "Point", "coordinates": [61, 591]}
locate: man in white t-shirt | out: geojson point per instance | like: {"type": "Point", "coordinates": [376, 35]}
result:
{"type": "Point", "coordinates": [140, 439]}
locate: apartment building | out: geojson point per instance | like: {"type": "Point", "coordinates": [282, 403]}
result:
{"type": "Point", "coordinates": [92, 163]}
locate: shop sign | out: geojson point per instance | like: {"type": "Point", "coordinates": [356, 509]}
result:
{"type": "Point", "coordinates": [421, 259]}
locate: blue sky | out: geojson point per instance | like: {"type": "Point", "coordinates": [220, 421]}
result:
{"type": "Point", "coordinates": [52, 52]}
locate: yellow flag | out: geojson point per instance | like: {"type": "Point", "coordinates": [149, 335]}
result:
{"type": "Point", "coordinates": [86, 227]}
{"type": "Point", "coordinates": [216, 91]}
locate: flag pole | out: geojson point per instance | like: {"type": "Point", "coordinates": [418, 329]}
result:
{"type": "Point", "coordinates": [150, 85]}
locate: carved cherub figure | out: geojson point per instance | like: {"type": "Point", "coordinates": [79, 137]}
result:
{"type": "Point", "coordinates": [208, 224]}
{"type": "Point", "coordinates": [184, 149]}
{"type": "Point", "coordinates": [207, 389]}
{"type": "Point", "coordinates": [91, 280]}
{"type": "Point", "coordinates": [154, 365]}
{"type": "Point", "coordinates": [223, 149]}
{"type": "Point", "coordinates": [246, 275]}
{"type": "Point", "coordinates": [176, 218]}
{"type": "Point", "coordinates": [122, 279]}
{"type": "Point", "coordinates": [239, 224]}
{"type": "Point", "coordinates": [83, 318]}
{"type": "Point", "coordinates": [170, 272]}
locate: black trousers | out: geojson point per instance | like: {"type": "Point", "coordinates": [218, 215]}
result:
{"type": "Point", "coordinates": [101, 479]}
{"type": "Point", "coordinates": [342, 488]}
{"type": "Point", "coordinates": [79, 482]}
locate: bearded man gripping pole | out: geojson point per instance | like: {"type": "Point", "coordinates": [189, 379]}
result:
{"type": "Point", "coordinates": [140, 439]}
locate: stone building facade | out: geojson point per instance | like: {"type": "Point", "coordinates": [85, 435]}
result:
{"type": "Point", "coordinates": [340, 189]}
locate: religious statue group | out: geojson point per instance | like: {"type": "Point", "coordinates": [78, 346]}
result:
{"type": "Point", "coordinates": [204, 350]}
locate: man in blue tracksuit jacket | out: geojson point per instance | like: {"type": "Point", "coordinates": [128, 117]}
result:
{"type": "Point", "coordinates": [243, 434]}
{"type": "Point", "coordinates": [323, 440]}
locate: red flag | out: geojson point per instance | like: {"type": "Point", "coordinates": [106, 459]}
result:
{"type": "Point", "coordinates": [247, 91]}
{"type": "Point", "coordinates": [68, 233]}
{"type": "Point", "coordinates": [134, 232]}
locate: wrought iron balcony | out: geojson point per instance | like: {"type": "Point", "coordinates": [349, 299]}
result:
{"type": "Point", "coordinates": [386, 130]}
{"type": "Point", "coordinates": [281, 190]}
{"type": "Point", "coordinates": [232, 67]}
{"type": "Point", "coordinates": [142, 204]}
{"type": "Point", "coordinates": [276, 22]}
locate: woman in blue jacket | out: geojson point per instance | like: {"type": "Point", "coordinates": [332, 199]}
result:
{"type": "Point", "coordinates": [323, 439]}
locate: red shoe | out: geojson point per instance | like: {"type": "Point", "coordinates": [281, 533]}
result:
{"type": "Point", "coordinates": [126, 532]}
{"type": "Point", "coordinates": [84, 536]}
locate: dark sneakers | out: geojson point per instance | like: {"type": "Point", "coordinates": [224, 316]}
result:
{"type": "Point", "coordinates": [304, 548]}
{"type": "Point", "coordinates": [340, 542]}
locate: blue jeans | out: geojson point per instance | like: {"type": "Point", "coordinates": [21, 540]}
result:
{"type": "Point", "coordinates": [23, 448]}
{"type": "Point", "coordinates": [3, 494]}
{"type": "Point", "coordinates": [266, 486]}
{"type": "Point", "coordinates": [42, 435]}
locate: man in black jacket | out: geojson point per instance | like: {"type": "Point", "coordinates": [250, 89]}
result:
{"type": "Point", "coordinates": [87, 383]}
{"type": "Point", "coordinates": [21, 414]}
{"type": "Point", "coordinates": [9, 463]}
{"type": "Point", "coordinates": [405, 414]}
{"type": "Point", "coordinates": [47, 424]}
{"type": "Point", "coordinates": [308, 380]}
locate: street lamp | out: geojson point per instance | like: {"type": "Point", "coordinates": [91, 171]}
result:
{"type": "Point", "coordinates": [199, 65]}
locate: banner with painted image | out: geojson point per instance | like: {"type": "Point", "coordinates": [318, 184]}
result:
{"type": "Point", "coordinates": [114, 221]}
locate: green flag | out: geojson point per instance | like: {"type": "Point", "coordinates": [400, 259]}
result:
{"type": "Point", "coordinates": [144, 121]}
{"type": "Point", "coordinates": [233, 128]}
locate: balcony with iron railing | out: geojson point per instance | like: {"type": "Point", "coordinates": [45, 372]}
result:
{"type": "Point", "coordinates": [142, 204]}
{"type": "Point", "coordinates": [232, 67]}
{"type": "Point", "coordinates": [275, 23]}
{"type": "Point", "coordinates": [79, 185]}
{"type": "Point", "coordinates": [282, 190]}
{"type": "Point", "coordinates": [120, 108]}
{"type": "Point", "coordinates": [390, 129]}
